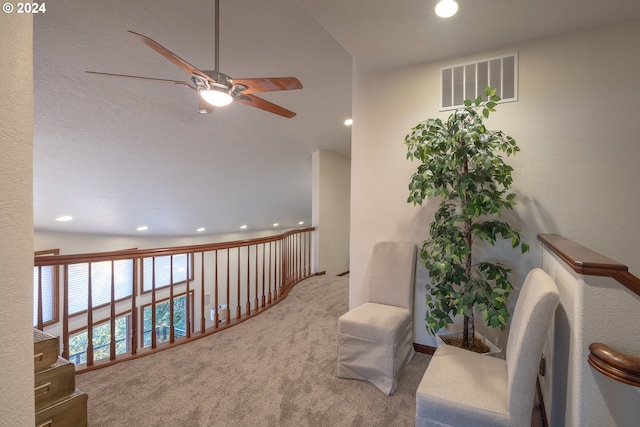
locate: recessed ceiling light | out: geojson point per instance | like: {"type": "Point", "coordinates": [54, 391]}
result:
{"type": "Point", "coordinates": [348, 122]}
{"type": "Point", "coordinates": [64, 218]}
{"type": "Point", "coordinates": [446, 8]}
{"type": "Point", "coordinates": [301, 222]}
{"type": "Point", "coordinates": [142, 228]}
{"type": "Point", "coordinates": [243, 227]}
{"type": "Point", "coordinates": [201, 229]}
{"type": "Point", "coordinates": [276, 224]}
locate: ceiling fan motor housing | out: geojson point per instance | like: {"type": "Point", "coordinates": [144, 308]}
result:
{"type": "Point", "coordinates": [218, 81]}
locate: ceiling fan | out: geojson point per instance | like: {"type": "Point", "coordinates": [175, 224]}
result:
{"type": "Point", "coordinates": [216, 89]}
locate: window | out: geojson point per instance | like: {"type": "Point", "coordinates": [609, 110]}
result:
{"type": "Point", "coordinates": [163, 319]}
{"type": "Point", "coordinates": [99, 275]}
{"type": "Point", "coordinates": [164, 275]}
{"type": "Point", "coordinates": [45, 281]}
{"type": "Point", "coordinates": [101, 341]}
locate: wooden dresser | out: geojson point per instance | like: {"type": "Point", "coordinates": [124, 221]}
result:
{"type": "Point", "coordinates": [58, 403]}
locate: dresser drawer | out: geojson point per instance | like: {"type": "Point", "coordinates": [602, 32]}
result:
{"type": "Point", "coordinates": [46, 349]}
{"type": "Point", "coordinates": [54, 382]}
{"type": "Point", "coordinates": [69, 412]}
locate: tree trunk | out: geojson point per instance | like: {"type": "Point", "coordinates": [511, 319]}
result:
{"type": "Point", "coordinates": [465, 332]}
{"type": "Point", "coordinates": [472, 329]}
{"type": "Point", "coordinates": [468, 334]}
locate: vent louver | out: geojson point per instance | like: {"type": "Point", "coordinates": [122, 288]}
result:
{"type": "Point", "coordinates": [467, 81]}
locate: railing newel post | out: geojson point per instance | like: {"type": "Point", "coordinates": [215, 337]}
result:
{"type": "Point", "coordinates": [255, 301]}
{"type": "Point", "coordinates": [171, 304]}
{"type": "Point", "coordinates": [89, 319]}
{"type": "Point", "coordinates": [263, 270]}
{"type": "Point", "coordinates": [228, 313]}
{"type": "Point", "coordinates": [112, 305]}
{"type": "Point", "coordinates": [65, 313]}
{"type": "Point", "coordinates": [248, 302]}
{"type": "Point", "coordinates": [134, 311]}
{"type": "Point", "coordinates": [203, 319]}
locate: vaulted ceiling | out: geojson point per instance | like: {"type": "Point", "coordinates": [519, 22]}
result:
{"type": "Point", "coordinates": [119, 153]}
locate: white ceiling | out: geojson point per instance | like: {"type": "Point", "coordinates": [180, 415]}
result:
{"type": "Point", "coordinates": [390, 34]}
{"type": "Point", "coordinates": [119, 153]}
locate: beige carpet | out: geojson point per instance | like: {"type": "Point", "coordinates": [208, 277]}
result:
{"type": "Point", "coordinates": [277, 369]}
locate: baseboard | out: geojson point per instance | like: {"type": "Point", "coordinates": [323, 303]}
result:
{"type": "Point", "coordinates": [543, 411]}
{"type": "Point", "coordinates": [343, 274]}
{"type": "Point", "coordinates": [426, 349]}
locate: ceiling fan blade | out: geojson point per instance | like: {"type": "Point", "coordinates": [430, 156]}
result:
{"type": "Point", "coordinates": [184, 65]}
{"type": "Point", "coordinates": [268, 84]}
{"type": "Point", "coordinates": [177, 82]}
{"type": "Point", "coordinates": [254, 101]}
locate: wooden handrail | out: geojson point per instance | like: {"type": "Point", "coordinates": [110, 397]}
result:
{"type": "Point", "coordinates": [149, 253]}
{"type": "Point", "coordinates": [611, 363]}
{"type": "Point", "coordinates": [586, 261]}
{"type": "Point", "coordinates": [614, 364]}
{"type": "Point", "coordinates": [289, 261]}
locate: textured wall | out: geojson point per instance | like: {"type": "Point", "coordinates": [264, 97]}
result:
{"type": "Point", "coordinates": [16, 215]}
{"type": "Point", "coordinates": [331, 197]}
{"type": "Point", "coordinates": [576, 175]}
{"type": "Point", "coordinates": [592, 309]}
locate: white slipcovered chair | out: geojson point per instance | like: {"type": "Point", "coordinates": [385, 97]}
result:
{"type": "Point", "coordinates": [375, 339]}
{"type": "Point", "coordinates": [463, 388]}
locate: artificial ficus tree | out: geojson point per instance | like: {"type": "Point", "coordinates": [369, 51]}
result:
{"type": "Point", "coordinates": [461, 164]}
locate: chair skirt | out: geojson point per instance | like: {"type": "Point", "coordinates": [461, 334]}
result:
{"type": "Point", "coordinates": [375, 344]}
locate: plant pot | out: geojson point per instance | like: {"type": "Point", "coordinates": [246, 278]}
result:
{"type": "Point", "coordinates": [494, 352]}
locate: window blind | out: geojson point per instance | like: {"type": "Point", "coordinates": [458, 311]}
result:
{"type": "Point", "coordinates": [162, 265]}
{"type": "Point", "coordinates": [101, 275]}
{"type": "Point", "coordinates": [45, 275]}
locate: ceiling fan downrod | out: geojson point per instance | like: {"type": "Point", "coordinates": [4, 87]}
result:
{"type": "Point", "coordinates": [216, 52]}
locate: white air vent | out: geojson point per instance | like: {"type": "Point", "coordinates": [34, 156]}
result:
{"type": "Point", "coordinates": [467, 81]}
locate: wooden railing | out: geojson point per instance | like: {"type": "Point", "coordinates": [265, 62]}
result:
{"type": "Point", "coordinates": [614, 364]}
{"type": "Point", "coordinates": [611, 363]}
{"type": "Point", "coordinates": [196, 291]}
{"type": "Point", "coordinates": [586, 261]}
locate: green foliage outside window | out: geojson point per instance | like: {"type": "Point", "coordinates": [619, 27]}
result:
{"type": "Point", "coordinates": [101, 341]}
{"type": "Point", "coordinates": [163, 320]}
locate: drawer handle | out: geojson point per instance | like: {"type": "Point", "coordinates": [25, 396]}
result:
{"type": "Point", "coordinates": [42, 389]}
{"type": "Point", "coordinates": [38, 357]}
{"type": "Point", "coordinates": [46, 423]}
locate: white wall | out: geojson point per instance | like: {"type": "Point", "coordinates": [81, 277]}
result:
{"type": "Point", "coordinates": [576, 175]}
{"type": "Point", "coordinates": [79, 243]}
{"type": "Point", "coordinates": [16, 226]}
{"type": "Point", "coordinates": [331, 197]}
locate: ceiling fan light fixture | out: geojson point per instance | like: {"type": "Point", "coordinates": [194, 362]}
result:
{"type": "Point", "coordinates": [216, 98]}
{"type": "Point", "coordinates": [446, 8]}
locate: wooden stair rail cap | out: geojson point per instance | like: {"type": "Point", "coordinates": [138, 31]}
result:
{"type": "Point", "coordinates": [614, 364]}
